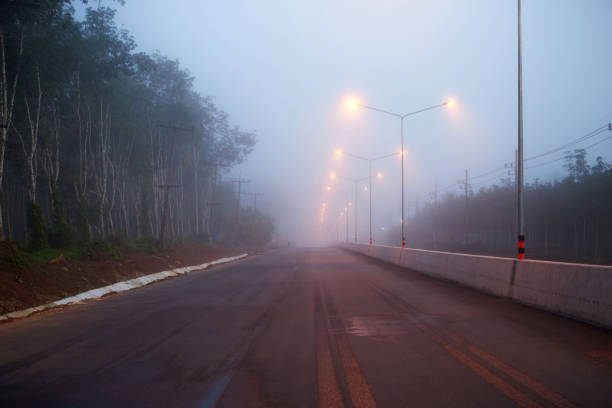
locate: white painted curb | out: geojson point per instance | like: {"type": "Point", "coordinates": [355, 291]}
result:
{"type": "Point", "coordinates": [117, 287]}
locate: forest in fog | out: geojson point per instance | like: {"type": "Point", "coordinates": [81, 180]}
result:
{"type": "Point", "coordinates": [565, 220]}
{"type": "Point", "coordinates": [99, 140]}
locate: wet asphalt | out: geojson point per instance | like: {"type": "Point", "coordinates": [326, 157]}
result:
{"type": "Point", "coordinates": [317, 327]}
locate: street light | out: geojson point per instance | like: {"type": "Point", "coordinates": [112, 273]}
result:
{"type": "Point", "coordinates": [353, 104]}
{"type": "Point", "coordinates": [356, 181]}
{"type": "Point", "coordinates": [519, 159]}
{"type": "Point", "coordinates": [378, 174]}
{"type": "Point", "coordinates": [345, 211]}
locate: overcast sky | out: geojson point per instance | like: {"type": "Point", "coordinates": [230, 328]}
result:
{"type": "Point", "coordinates": [287, 68]}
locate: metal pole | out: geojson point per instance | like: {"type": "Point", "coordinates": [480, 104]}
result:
{"type": "Point", "coordinates": [467, 217]}
{"type": "Point", "coordinates": [519, 170]}
{"type": "Point", "coordinates": [370, 180]}
{"type": "Point", "coordinates": [355, 210]}
{"type": "Point", "coordinates": [402, 144]}
{"type": "Point", "coordinates": [346, 218]}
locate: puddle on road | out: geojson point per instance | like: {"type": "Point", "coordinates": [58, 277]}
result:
{"type": "Point", "coordinates": [379, 327]}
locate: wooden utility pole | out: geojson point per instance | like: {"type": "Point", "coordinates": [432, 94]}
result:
{"type": "Point", "coordinates": [254, 198]}
{"type": "Point", "coordinates": [466, 186]}
{"type": "Point", "coordinates": [240, 181]}
{"type": "Point", "coordinates": [167, 187]}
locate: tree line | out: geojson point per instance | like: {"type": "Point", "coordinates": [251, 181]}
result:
{"type": "Point", "coordinates": [99, 140]}
{"type": "Point", "coordinates": [565, 220]}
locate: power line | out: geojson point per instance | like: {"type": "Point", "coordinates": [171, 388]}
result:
{"type": "Point", "coordinates": [575, 141]}
{"type": "Point", "coordinates": [488, 172]}
{"type": "Point", "coordinates": [499, 177]}
{"type": "Point", "coordinates": [587, 136]}
{"type": "Point", "coordinates": [563, 157]}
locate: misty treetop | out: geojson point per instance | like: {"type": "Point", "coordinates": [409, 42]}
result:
{"type": "Point", "coordinates": [98, 139]}
{"type": "Point", "coordinates": [565, 220]}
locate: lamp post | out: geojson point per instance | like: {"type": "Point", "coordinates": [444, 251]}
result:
{"type": "Point", "coordinates": [519, 167]}
{"type": "Point", "coordinates": [369, 160]}
{"type": "Point", "coordinates": [356, 181]}
{"type": "Point", "coordinates": [333, 176]}
{"type": "Point", "coordinates": [353, 104]}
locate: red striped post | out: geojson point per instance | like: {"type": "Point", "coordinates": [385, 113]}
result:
{"type": "Point", "coordinates": [521, 247]}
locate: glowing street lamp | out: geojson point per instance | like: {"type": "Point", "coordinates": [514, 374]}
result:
{"type": "Point", "coordinates": [353, 104]}
{"type": "Point", "coordinates": [350, 203]}
{"type": "Point", "coordinates": [345, 210]}
{"type": "Point", "coordinates": [379, 175]}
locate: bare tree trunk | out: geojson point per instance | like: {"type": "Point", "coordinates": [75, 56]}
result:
{"type": "Point", "coordinates": [7, 103]}
{"type": "Point", "coordinates": [33, 123]}
{"type": "Point", "coordinates": [196, 185]}
{"type": "Point", "coordinates": [103, 166]}
{"type": "Point", "coordinates": [51, 159]}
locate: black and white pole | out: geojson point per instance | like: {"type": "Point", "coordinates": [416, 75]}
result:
{"type": "Point", "coordinates": [519, 168]}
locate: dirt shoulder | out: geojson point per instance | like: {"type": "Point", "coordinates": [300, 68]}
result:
{"type": "Point", "coordinates": [26, 283]}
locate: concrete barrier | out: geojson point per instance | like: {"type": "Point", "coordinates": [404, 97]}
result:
{"type": "Point", "coordinates": [580, 291]}
{"type": "Point", "coordinates": [583, 292]}
{"type": "Point", "coordinates": [486, 273]}
{"type": "Point", "coordinates": [388, 254]}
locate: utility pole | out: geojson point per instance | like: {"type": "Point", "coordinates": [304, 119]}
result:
{"type": "Point", "coordinates": [346, 211]}
{"type": "Point", "coordinates": [436, 194]}
{"type": "Point", "coordinates": [255, 199]}
{"type": "Point", "coordinates": [167, 187]}
{"type": "Point", "coordinates": [370, 194]}
{"type": "Point", "coordinates": [519, 167]}
{"type": "Point", "coordinates": [355, 210]}
{"type": "Point", "coordinates": [467, 215]}
{"type": "Point", "coordinates": [254, 195]}
{"type": "Point", "coordinates": [466, 185]}
{"type": "Point", "coordinates": [435, 220]}
{"type": "Point", "coordinates": [240, 181]}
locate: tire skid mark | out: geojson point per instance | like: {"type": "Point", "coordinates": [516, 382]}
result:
{"type": "Point", "coordinates": [356, 390]}
{"type": "Point", "coordinates": [537, 387]}
{"type": "Point", "coordinates": [554, 397]}
{"type": "Point", "coordinates": [329, 394]}
{"type": "Point", "coordinates": [223, 374]}
{"type": "Point", "coordinates": [516, 395]}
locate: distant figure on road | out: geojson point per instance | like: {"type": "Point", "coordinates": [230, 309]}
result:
{"type": "Point", "coordinates": [288, 244]}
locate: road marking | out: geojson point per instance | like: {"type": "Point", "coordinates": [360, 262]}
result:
{"type": "Point", "coordinates": [329, 392]}
{"type": "Point", "coordinates": [358, 389]}
{"type": "Point", "coordinates": [540, 389]}
{"type": "Point", "coordinates": [504, 387]}
{"type": "Point", "coordinates": [216, 392]}
{"type": "Point", "coordinates": [357, 385]}
{"type": "Point", "coordinates": [507, 389]}
{"type": "Point", "coordinates": [537, 387]}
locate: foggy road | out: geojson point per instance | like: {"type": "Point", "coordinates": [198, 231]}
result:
{"type": "Point", "coordinates": [303, 328]}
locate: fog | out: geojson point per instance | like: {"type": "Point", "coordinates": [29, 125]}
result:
{"type": "Point", "coordinates": [287, 69]}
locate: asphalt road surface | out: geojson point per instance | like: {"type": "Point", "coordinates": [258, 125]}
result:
{"type": "Point", "coordinates": [303, 328]}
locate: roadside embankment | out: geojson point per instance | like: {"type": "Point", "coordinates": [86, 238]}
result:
{"type": "Point", "coordinates": [30, 282]}
{"type": "Point", "coordinates": [579, 291]}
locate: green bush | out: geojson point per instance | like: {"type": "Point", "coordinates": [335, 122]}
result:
{"type": "Point", "coordinates": [61, 233]}
{"type": "Point", "coordinates": [37, 236]}
{"type": "Point", "coordinates": [102, 250]}
{"type": "Point", "coordinates": [12, 255]}
{"type": "Point", "coordinates": [84, 231]}
{"type": "Point", "coordinates": [145, 216]}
